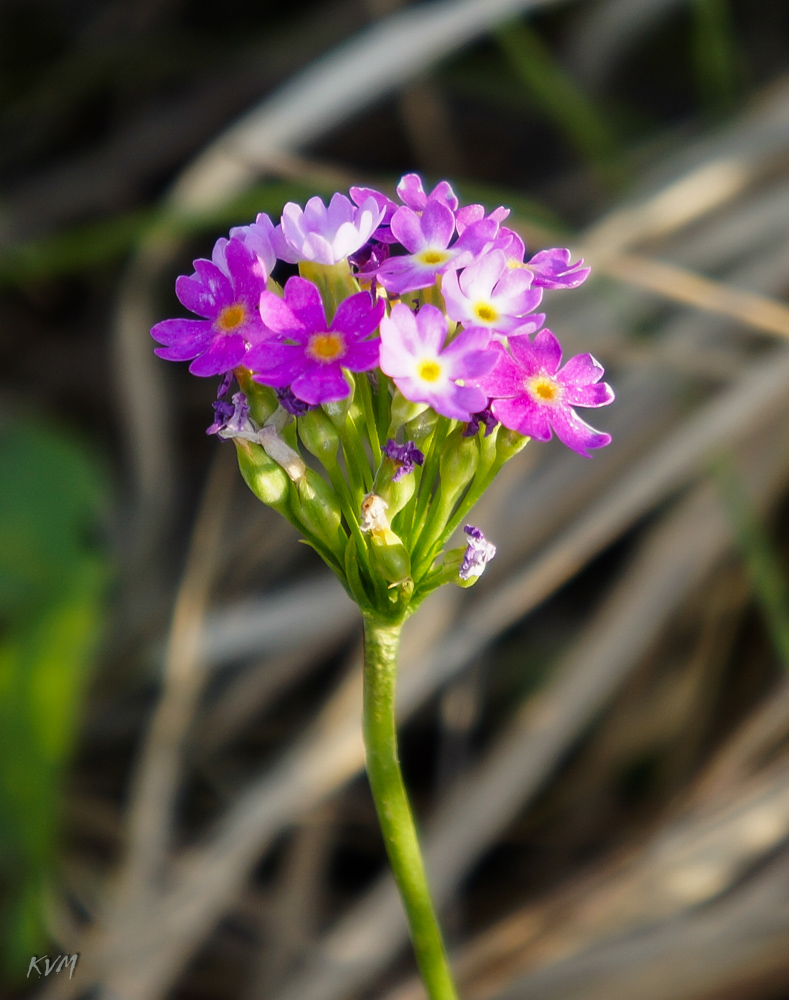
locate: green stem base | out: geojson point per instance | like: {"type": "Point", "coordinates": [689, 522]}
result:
{"type": "Point", "coordinates": [381, 642]}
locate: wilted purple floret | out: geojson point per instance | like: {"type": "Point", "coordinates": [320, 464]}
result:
{"type": "Point", "coordinates": [290, 403]}
{"type": "Point", "coordinates": [479, 552]}
{"type": "Point", "coordinates": [477, 419]}
{"type": "Point", "coordinates": [532, 396]}
{"type": "Point", "coordinates": [413, 354]}
{"type": "Point", "coordinates": [325, 234]}
{"type": "Point", "coordinates": [225, 291]}
{"type": "Point", "coordinates": [405, 456]}
{"type": "Point", "coordinates": [488, 293]}
{"type": "Point", "coordinates": [231, 419]}
{"type": "Point", "coordinates": [369, 257]}
{"type": "Point", "coordinates": [308, 354]}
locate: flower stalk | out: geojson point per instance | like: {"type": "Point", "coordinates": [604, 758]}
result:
{"type": "Point", "coordinates": [380, 392]}
{"type": "Point", "coordinates": [381, 641]}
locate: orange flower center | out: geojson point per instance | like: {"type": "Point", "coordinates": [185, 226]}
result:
{"type": "Point", "coordinates": [326, 347]}
{"type": "Point", "coordinates": [543, 389]}
{"type": "Point", "coordinates": [231, 317]}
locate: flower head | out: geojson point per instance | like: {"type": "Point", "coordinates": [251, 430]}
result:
{"type": "Point", "coordinates": [412, 193]}
{"type": "Point", "coordinates": [426, 371]}
{"type": "Point", "coordinates": [550, 268]}
{"type": "Point", "coordinates": [326, 234]}
{"type": "Point", "coordinates": [479, 552]}
{"type": "Point", "coordinates": [225, 292]}
{"type": "Point", "coordinates": [531, 395]}
{"type": "Point", "coordinates": [260, 238]}
{"type": "Point", "coordinates": [307, 353]}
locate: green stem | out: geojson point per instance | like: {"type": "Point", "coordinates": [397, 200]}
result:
{"type": "Point", "coordinates": [391, 802]}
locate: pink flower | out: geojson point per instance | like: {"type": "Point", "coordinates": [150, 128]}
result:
{"type": "Point", "coordinates": [532, 396]}
{"type": "Point", "coordinates": [488, 293]}
{"type": "Point", "coordinates": [324, 234]}
{"type": "Point", "coordinates": [425, 371]}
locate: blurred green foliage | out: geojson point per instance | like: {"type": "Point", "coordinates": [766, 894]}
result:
{"type": "Point", "coordinates": [53, 577]}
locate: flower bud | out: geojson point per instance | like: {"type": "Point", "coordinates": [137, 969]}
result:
{"type": "Point", "coordinates": [317, 507]}
{"type": "Point", "coordinates": [459, 460]}
{"type": "Point", "coordinates": [263, 476]}
{"type": "Point", "coordinates": [509, 443]}
{"type": "Point", "coordinates": [337, 411]}
{"type": "Point", "coordinates": [391, 556]}
{"type": "Point", "coordinates": [421, 427]}
{"type": "Point", "coordinates": [403, 410]}
{"type": "Point", "coordinates": [319, 435]}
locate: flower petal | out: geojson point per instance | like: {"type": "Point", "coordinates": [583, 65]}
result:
{"type": "Point", "coordinates": [222, 356]}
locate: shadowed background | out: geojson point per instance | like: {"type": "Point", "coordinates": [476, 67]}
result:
{"type": "Point", "coordinates": [596, 737]}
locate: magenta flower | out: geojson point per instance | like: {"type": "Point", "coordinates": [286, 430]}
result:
{"type": "Point", "coordinates": [469, 214]}
{"type": "Point", "coordinates": [532, 396]}
{"type": "Point", "coordinates": [225, 292]}
{"type": "Point", "coordinates": [324, 234]}
{"type": "Point", "coordinates": [383, 233]}
{"type": "Point", "coordinates": [427, 238]}
{"type": "Point", "coordinates": [413, 354]}
{"type": "Point", "coordinates": [488, 293]}
{"type": "Point", "coordinates": [308, 354]}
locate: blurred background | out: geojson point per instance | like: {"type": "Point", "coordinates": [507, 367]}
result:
{"type": "Point", "coordinates": [596, 737]}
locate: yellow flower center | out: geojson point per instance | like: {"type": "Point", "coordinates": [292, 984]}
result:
{"type": "Point", "coordinates": [543, 389]}
{"type": "Point", "coordinates": [484, 311]}
{"type": "Point", "coordinates": [433, 256]}
{"type": "Point", "coordinates": [326, 347]}
{"type": "Point", "coordinates": [231, 317]}
{"type": "Point", "coordinates": [429, 371]}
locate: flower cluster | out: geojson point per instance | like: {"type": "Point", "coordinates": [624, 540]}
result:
{"type": "Point", "coordinates": [409, 338]}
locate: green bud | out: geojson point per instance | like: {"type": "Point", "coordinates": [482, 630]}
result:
{"type": "Point", "coordinates": [267, 480]}
{"type": "Point", "coordinates": [337, 411]}
{"type": "Point", "coordinates": [403, 411]}
{"type": "Point", "coordinates": [509, 443]}
{"type": "Point", "coordinates": [319, 435]}
{"type": "Point", "coordinates": [317, 507]}
{"type": "Point", "coordinates": [421, 427]}
{"type": "Point", "coordinates": [459, 460]}
{"type": "Point", "coordinates": [391, 556]}
{"type": "Point", "coordinates": [261, 398]}
{"type": "Point", "coordinates": [335, 281]}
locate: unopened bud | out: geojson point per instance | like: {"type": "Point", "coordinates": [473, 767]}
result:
{"type": "Point", "coordinates": [337, 411]}
{"type": "Point", "coordinates": [403, 410]}
{"type": "Point", "coordinates": [263, 476]}
{"type": "Point", "coordinates": [318, 509]}
{"type": "Point", "coordinates": [459, 460]}
{"type": "Point", "coordinates": [391, 556]}
{"type": "Point", "coordinates": [509, 443]}
{"type": "Point", "coordinates": [319, 435]}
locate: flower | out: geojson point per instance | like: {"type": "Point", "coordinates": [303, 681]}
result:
{"type": "Point", "coordinates": [308, 354]}
{"type": "Point", "coordinates": [412, 193]}
{"type": "Point", "coordinates": [260, 238]}
{"type": "Point", "coordinates": [405, 457]}
{"type": "Point", "coordinates": [479, 552]}
{"type": "Point", "coordinates": [224, 291]}
{"type": "Point", "coordinates": [231, 420]}
{"type": "Point", "coordinates": [487, 293]}
{"type": "Point", "coordinates": [325, 235]}
{"type": "Point", "coordinates": [413, 354]}
{"type": "Point", "coordinates": [427, 238]}
{"type": "Point", "coordinates": [551, 268]}
{"type": "Point", "coordinates": [532, 396]}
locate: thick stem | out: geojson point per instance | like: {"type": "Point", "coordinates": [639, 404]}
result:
{"type": "Point", "coordinates": [394, 813]}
